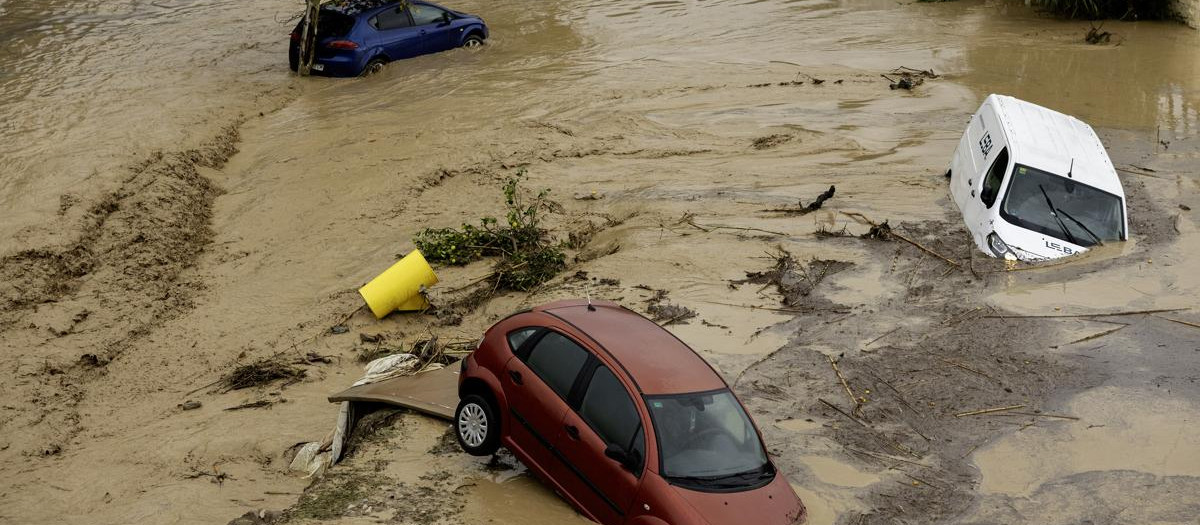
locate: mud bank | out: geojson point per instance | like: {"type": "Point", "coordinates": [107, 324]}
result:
{"type": "Point", "coordinates": [683, 134]}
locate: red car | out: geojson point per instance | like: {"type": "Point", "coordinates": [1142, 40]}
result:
{"type": "Point", "coordinates": [619, 417]}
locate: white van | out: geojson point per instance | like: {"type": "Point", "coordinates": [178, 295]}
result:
{"type": "Point", "coordinates": [1035, 184]}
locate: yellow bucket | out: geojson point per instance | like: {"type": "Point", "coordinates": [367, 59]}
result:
{"type": "Point", "coordinates": [397, 288]}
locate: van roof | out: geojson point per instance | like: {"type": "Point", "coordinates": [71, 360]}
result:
{"type": "Point", "coordinates": [1048, 140]}
{"type": "Point", "coordinates": [656, 361]}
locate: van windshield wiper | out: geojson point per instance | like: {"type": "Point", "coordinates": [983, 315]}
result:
{"type": "Point", "coordinates": [1053, 213]}
{"type": "Point", "coordinates": [1081, 225]}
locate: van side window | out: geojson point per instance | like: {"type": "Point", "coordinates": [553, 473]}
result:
{"type": "Point", "coordinates": [557, 360]}
{"type": "Point", "coordinates": [991, 183]}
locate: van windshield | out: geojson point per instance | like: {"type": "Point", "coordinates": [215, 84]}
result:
{"type": "Point", "coordinates": [706, 440]}
{"type": "Point", "coordinates": [1062, 208]}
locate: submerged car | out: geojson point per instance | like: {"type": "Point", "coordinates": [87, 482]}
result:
{"type": "Point", "coordinates": [359, 37]}
{"type": "Point", "coordinates": [1035, 184]}
{"type": "Point", "coordinates": [619, 417]}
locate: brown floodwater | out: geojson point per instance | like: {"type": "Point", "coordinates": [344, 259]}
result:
{"type": "Point", "coordinates": [89, 87]}
{"type": "Point", "coordinates": [317, 194]}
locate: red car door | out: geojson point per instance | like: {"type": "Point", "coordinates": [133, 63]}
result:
{"type": "Point", "coordinates": [536, 384]}
{"type": "Point", "coordinates": [606, 417]}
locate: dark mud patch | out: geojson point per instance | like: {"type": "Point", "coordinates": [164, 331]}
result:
{"type": "Point", "coordinates": [901, 402]}
{"type": "Point", "coordinates": [136, 238]}
{"type": "Point", "coordinates": [339, 493]}
{"type": "Point", "coordinates": [355, 492]}
{"type": "Point", "coordinates": [126, 266]}
{"type": "Point", "coordinates": [380, 424]}
{"type": "Point", "coordinates": [771, 141]}
{"type": "Point", "coordinates": [446, 444]}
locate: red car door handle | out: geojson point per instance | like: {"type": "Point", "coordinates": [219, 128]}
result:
{"type": "Point", "coordinates": [516, 377]}
{"type": "Point", "coordinates": [573, 431]}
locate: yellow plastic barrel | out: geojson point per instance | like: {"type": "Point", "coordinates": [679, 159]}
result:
{"type": "Point", "coordinates": [397, 288]}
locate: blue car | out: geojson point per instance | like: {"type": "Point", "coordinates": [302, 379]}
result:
{"type": "Point", "coordinates": [358, 37]}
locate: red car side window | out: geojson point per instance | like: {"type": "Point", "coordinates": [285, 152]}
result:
{"type": "Point", "coordinates": [609, 410]}
{"type": "Point", "coordinates": [557, 360]}
{"type": "Point", "coordinates": [517, 337]}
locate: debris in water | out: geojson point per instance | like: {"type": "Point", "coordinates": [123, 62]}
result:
{"type": "Point", "coordinates": [823, 232]}
{"type": "Point", "coordinates": [879, 232]}
{"type": "Point", "coordinates": [261, 372]}
{"type": "Point", "coordinates": [664, 313]}
{"type": "Point", "coordinates": [253, 404]}
{"type": "Point", "coordinates": [770, 141]}
{"type": "Point", "coordinates": [815, 205]}
{"type": "Point", "coordinates": [794, 281]}
{"type": "Point", "coordinates": [528, 258]}
{"type": "Point", "coordinates": [590, 196]}
{"type": "Point", "coordinates": [1096, 36]}
{"type": "Point", "coordinates": [909, 78]}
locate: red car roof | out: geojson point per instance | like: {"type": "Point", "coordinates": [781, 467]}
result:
{"type": "Point", "coordinates": [657, 362]}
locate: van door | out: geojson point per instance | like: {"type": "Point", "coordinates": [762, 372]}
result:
{"type": "Point", "coordinates": [988, 146]}
{"type": "Point", "coordinates": [962, 165]}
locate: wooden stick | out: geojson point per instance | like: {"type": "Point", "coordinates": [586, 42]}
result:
{"type": "Point", "coordinates": [843, 412]}
{"type": "Point", "coordinates": [1186, 323]}
{"type": "Point", "coordinates": [711, 227]}
{"type": "Point", "coordinates": [988, 411]}
{"type": "Point", "coordinates": [784, 310]}
{"type": "Point", "coordinates": [967, 368]}
{"type": "Point", "coordinates": [1142, 174]}
{"type": "Point", "coordinates": [924, 249]}
{"type": "Point", "coordinates": [879, 455]}
{"type": "Point", "coordinates": [889, 332]}
{"type": "Point", "coordinates": [1064, 316]}
{"type": "Point", "coordinates": [1073, 418]}
{"type": "Point", "coordinates": [846, 385]}
{"type": "Point", "coordinates": [1093, 336]}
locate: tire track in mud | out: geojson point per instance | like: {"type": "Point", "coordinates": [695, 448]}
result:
{"type": "Point", "coordinates": [67, 311]}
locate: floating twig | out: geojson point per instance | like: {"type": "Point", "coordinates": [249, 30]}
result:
{"type": "Point", "coordinates": [253, 404]}
{"type": "Point", "coordinates": [889, 332]}
{"type": "Point", "coordinates": [1093, 336]}
{"type": "Point", "coordinates": [1066, 316]}
{"type": "Point", "coordinates": [1185, 323]}
{"type": "Point", "coordinates": [967, 368]}
{"type": "Point", "coordinates": [988, 411]}
{"type": "Point", "coordinates": [879, 455]}
{"type": "Point", "coordinates": [1057, 416]}
{"type": "Point", "coordinates": [924, 249]}
{"type": "Point", "coordinates": [843, 412]}
{"type": "Point", "coordinates": [846, 385]}
{"type": "Point", "coordinates": [707, 228]}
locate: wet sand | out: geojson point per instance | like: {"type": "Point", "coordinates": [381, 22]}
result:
{"type": "Point", "coordinates": [168, 214]}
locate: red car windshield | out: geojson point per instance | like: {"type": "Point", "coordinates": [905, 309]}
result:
{"type": "Point", "coordinates": [706, 439]}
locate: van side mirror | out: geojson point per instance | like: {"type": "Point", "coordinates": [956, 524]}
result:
{"type": "Point", "coordinates": [628, 460]}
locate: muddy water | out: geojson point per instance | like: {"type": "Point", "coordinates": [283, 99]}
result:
{"type": "Point", "coordinates": [647, 104]}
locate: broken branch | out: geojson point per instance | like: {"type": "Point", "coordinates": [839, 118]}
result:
{"type": "Point", "coordinates": [842, 412]}
{"type": "Point", "coordinates": [1065, 316]}
{"type": "Point", "coordinates": [846, 385]}
{"type": "Point", "coordinates": [988, 411]}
